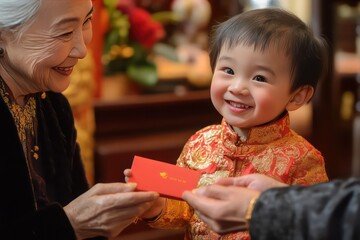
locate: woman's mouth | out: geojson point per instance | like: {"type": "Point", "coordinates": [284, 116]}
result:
{"type": "Point", "coordinates": [66, 71]}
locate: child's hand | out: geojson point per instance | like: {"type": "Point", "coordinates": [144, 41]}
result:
{"type": "Point", "coordinates": [128, 174]}
{"type": "Point", "coordinates": [155, 210]}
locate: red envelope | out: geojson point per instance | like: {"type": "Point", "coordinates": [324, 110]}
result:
{"type": "Point", "coordinates": [167, 179]}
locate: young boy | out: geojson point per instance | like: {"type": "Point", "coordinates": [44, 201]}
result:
{"type": "Point", "coordinates": [265, 62]}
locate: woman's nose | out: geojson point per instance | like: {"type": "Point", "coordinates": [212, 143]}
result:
{"type": "Point", "coordinates": [79, 49]}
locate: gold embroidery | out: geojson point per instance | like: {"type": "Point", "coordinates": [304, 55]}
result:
{"type": "Point", "coordinates": [24, 117]}
{"type": "Point", "coordinates": [176, 213]}
{"type": "Point", "coordinates": [272, 149]}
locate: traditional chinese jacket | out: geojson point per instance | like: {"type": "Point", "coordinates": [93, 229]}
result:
{"type": "Point", "coordinates": [217, 151]}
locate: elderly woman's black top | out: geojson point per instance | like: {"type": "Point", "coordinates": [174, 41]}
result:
{"type": "Point", "coordinates": [20, 215]}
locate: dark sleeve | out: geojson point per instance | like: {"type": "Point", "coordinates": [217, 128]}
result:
{"type": "Point", "coordinates": [48, 223]}
{"type": "Point", "coordinates": [323, 211]}
{"type": "Point", "coordinates": [69, 174]}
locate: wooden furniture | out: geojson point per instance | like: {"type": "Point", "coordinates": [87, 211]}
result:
{"type": "Point", "coordinates": [331, 134]}
{"type": "Point", "coordinates": [154, 126]}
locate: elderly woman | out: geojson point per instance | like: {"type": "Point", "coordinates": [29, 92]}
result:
{"type": "Point", "coordinates": [45, 193]}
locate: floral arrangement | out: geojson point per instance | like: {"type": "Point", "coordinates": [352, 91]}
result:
{"type": "Point", "coordinates": [131, 35]}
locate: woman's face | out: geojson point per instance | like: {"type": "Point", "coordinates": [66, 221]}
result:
{"type": "Point", "coordinates": [47, 51]}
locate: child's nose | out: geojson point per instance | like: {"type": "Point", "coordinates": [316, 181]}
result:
{"type": "Point", "coordinates": [239, 87]}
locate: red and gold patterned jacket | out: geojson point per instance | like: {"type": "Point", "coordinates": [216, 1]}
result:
{"type": "Point", "coordinates": [217, 151]}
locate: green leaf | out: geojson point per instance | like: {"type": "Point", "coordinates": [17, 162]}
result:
{"type": "Point", "coordinates": [144, 73]}
{"type": "Point", "coordinates": [111, 39]}
{"type": "Point", "coordinates": [165, 17]}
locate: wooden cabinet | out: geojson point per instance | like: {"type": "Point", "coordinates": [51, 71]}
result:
{"type": "Point", "coordinates": [154, 126]}
{"type": "Point", "coordinates": [332, 134]}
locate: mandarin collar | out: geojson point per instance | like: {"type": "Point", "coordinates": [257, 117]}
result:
{"type": "Point", "coordinates": [261, 134]}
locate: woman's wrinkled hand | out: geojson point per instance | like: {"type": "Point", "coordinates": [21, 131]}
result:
{"type": "Point", "coordinates": [156, 208]}
{"type": "Point", "coordinates": [106, 209]}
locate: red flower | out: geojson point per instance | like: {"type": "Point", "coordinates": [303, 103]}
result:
{"type": "Point", "coordinates": [143, 28]}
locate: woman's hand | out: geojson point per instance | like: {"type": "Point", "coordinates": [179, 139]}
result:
{"type": "Point", "coordinates": [223, 208]}
{"type": "Point", "coordinates": [106, 209]}
{"type": "Point", "coordinates": [156, 208]}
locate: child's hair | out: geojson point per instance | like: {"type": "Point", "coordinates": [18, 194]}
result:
{"type": "Point", "coordinates": [273, 26]}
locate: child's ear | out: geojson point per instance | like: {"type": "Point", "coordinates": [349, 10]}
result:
{"type": "Point", "coordinates": [300, 97]}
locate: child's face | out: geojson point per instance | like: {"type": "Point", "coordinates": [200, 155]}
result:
{"type": "Point", "coordinates": [250, 88]}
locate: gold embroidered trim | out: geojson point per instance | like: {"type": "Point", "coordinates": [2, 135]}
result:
{"type": "Point", "coordinates": [24, 117]}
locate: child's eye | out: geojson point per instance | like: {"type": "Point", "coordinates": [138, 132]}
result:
{"type": "Point", "coordinates": [259, 78]}
{"type": "Point", "coordinates": [228, 71]}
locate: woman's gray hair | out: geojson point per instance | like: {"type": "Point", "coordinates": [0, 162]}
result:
{"type": "Point", "coordinates": [16, 15]}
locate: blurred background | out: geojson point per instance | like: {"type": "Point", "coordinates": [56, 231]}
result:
{"type": "Point", "coordinates": [143, 89]}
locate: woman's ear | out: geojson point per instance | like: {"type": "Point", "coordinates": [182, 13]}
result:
{"type": "Point", "coordinates": [300, 97]}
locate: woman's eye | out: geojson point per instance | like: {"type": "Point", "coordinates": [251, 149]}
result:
{"type": "Point", "coordinates": [229, 71]}
{"type": "Point", "coordinates": [66, 36]}
{"type": "Point", "coordinates": [88, 20]}
{"type": "Point", "coordinates": [259, 78]}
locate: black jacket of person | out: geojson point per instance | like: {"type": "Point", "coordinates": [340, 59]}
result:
{"type": "Point", "coordinates": [324, 211]}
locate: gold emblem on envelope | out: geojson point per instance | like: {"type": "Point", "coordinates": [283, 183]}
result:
{"type": "Point", "coordinates": [163, 175]}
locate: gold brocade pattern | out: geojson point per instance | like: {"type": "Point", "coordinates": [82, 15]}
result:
{"type": "Point", "coordinates": [24, 117]}
{"type": "Point", "coordinates": [176, 213]}
{"type": "Point", "coordinates": [26, 124]}
{"type": "Point", "coordinates": [216, 151]}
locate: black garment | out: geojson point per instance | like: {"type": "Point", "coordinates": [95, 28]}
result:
{"type": "Point", "coordinates": [62, 167]}
{"type": "Point", "coordinates": [323, 211]}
